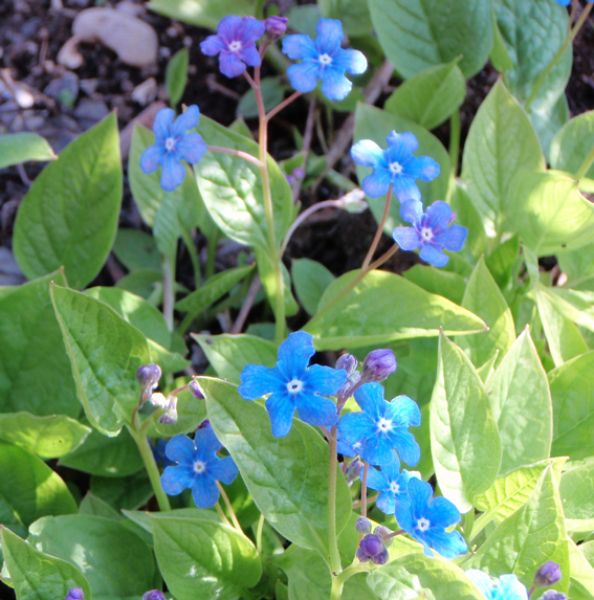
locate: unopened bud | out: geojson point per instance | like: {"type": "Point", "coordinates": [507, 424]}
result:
{"type": "Point", "coordinates": [276, 26]}
{"type": "Point", "coordinates": [196, 390]}
{"type": "Point", "coordinates": [380, 558]}
{"type": "Point", "coordinates": [354, 201]}
{"type": "Point", "coordinates": [153, 595]}
{"type": "Point", "coordinates": [548, 574]}
{"type": "Point", "coordinates": [370, 547]}
{"type": "Point", "coordinates": [363, 525]}
{"type": "Point", "coordinates": [354, 470]}
{"type": "Point", "coordinates": [347, 362]}
{"type": "Point", "coordinates": [159, 400]}
{"type": "Point", "coordinates": [148, 377]}
{"type": "Point", "coordinates": [75, 594]}
{"type": "Point", "coordinates": [553, 595]}
{"type": "Point", "coordinates": [169, 417]}
{"type": "Point", "coordinates": [379, 365]}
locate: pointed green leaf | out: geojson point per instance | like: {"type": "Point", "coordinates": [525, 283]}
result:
{"type": "Point", "coordinates": [69, 216]}
{"type": "Point", "coordinates": [22, 147]}
{"type": "Point", "coordinates": [465, 444]}
{"type": "Point", "coordinates": [310, 279]}
{"type": "Point", "coordinates": [577, 494]}
{"type": "Point", "coordinates": [202, 13]}
{"type": "Point", "coordinates": [176, 75]}
{"type": "Point", "coordinates": [581, 574]}
{"type": "Point", "coordinates": [573, 143]}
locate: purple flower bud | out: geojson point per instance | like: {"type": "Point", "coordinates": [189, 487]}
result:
{"type": "Point", "coordinates": [362, 555]}
{"type": "Point", "coordinates": [381, 558]}
{"type": "Point", "coordinates": [548, 574]}
{"type": "Point", "coordinates": [354, 470]}
{"type": "Point", "coordinates": [196, 390]}
{"type": "Point", "coordinates": [383, 532]}
{"type": "Point", "coordinates": [169, 417]}
{"type": "Point", "coordinates": [379, 364]}
{"type": "Point", "coordinates": [75, 594]}
{"type": "Point", "coordinates": [371, 545]}
{"type": "Point", "coordinates": [153, 595]}
{"type": "Point", "coordinates": [204, 424]}
{"type": "Point", "coordinates": [298, 173]}
{"type": "Point", "coordinates": [148, 377]}
{"type": "Point", "coordinates": [553, 595]}
{"type": "Point", "coordinates": [276, 26]}
{"type": "Point", "coordinates": [347, 362]}
{"type": "Point", "coordinates": [363, 525]}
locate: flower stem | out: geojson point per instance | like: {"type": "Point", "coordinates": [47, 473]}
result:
{"type": "Point", "coordinates": [279, 301]}
{"type": "Point", "coordinates": [585, 166]}
{"type": "Point", "coordinates": [335, 565]}
{"type": "Point", "coordinates": [364, 490]}
{"type": "Point", "coordinates": [541, 79]}
{"type": "Point", "coordinates": [289, 100]}
{"type": "Point", "coordinates": [238, 153]}
{"type": "Point", "coordinates": [229, 507]}
{"type": "Point", "coordinates": [168, 291]}
{"type": "Point", "coordinates": [379, 231]}
{"type": "Point", "coordinates": [336, 589]}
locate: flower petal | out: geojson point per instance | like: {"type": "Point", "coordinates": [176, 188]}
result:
{"type": "Point", "coordinates": [162, 124]}
{"type": "Point", "coordinates": [250, 30]}
{"type": "Point", "coordinates": [376, 480]}
{"type": "Point", "coordinates": [442, 513]}
{"type": "Point", "coordinates": [294, 354]}
{"type": "Point", "coordinates": [423, 167]}
{"type": "Point", "coordinates": [404, 515]}
{"type": "Point", "coordinates": [405, 142]}
{"type": "Point", "coordinates": [370, 397]}
{"type": "Point", "coordinates": [206, 441]}
{"type": "Point", "coordinates": [212, 45]}
{"type": "Point", "coordinates": [448, 544]}
{"type": "Point", "coordinates": [438, 216]}
{"type": "Point", "coordinates": [406, 445]}
{"type": "Point", "coordinates": [180, 449]}
{"type": "Point", "coordinates": [330, 35]}
{"type": "Point", "coordinates": [303, 76]}
{"type": "Point", "coordinates": [257, 381]}
{"type": "Point", "coordinates": [173, 173]}
{"type": "Point", "coordinates": [224, 469]}
{"type": "Point", "coordinates": [452, 238]}
{"type": "Point", "coordinates": [230, 64]}
{"type": "Point", "coordinates": [175, 480]}
{"type": "Point", "coordinates": [191, 148]}
{"type": "Point", "coordinates": [325, 380]}
{"type": "Point", "coordinates": [378, 450]}
{"type": "Point", "coordinates": [420, 493]}
{"type": "Point", "coordinates": [386, 502]}
{"type": "Point", "coordinates": [205, 491]}
{"type": "Point", "coordinates": [281, 409]}
{"type": "Point", "coordinates": [316, 410]}
{"type": "Point", "coordinates": [228, 28]}
{"type": "Point", "coordinates": [481, 580]}
{"type": "Point", "coordinates": [351, 61]}
{"type": "Point", "coordinates": [151, 159]}
{"type": "Point", "coordinates": [406, 237]}
{"type": "Point", "coordinates": [366, 153]}
{"type": "Point", "coordinates": [433, 255]}
{"type": "Point", "coordinates": [405, 411]}
{"type": "Point", "coordinates": [355, 427]}
{"type": "Point", "coordinates": [378, 183]}
{"type": "Point", "coordinates": [299, 47]}
{"type": "Point", "coordinates": [411, 211]}
{"type": "Point", "coordinates": [186, 120]}
{"type": "Point", "coordinates": [250, 56]}
{"type": "Point", "coordinates": [335, 86]}
{"type": "Point", "coordinates": [406, 189]}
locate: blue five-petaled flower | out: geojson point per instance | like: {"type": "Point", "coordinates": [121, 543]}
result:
{"type": "Point", "coordinates": [293, 385]}
{"type": "Point", "coordinates": [396, 166]}
{"type": "Point", "coordinates": [381, 432]}
{"type": "Point", "coordinates": [235, 43]}
{"type": "Point", "coordinates": [173, 144]}
{"type": "Point", "coordinates": [431, 231]}
{"type": "Point", "coordinates": [198, 467]}
{"type": "Point", "coordinates": [323, 60]}
{"type": "Point", "coordinates": [392, 485]}
{"type": "Point", "coordinates": [427, 520]}
{"type": "Point", "coordinates": [506, 587]}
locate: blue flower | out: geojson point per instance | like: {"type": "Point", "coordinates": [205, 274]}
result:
{"type": "Point", "coordinates": [75, 594]}
{"type": "Point", "coordinates": [292, 385]}
{"type": "Point", "coordinates": [507, 587]}
{"type": "Point", "coordinates": [431, 231]}
{"type": "Point", "coordinates": [198, 467]}
{"type": "Point", "coordinates": [235, 43]}
{"type": "Point", "coordinates": [396, 166]}
{"type": "Point", "coordinates": [381, 430]}
{"type": "Point", "coordinates": [173, 145]}
{"type": "Point", "coordinates": [427, 519]}
{"type": "Point", "coordinates": [391, 483]}
{"type": "Point", "coordinates": [323, 60]}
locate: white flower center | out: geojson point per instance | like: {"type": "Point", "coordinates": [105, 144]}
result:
{"type": "Point", "coordinates": [423, 524]}
{"type": "Point", "coordinates": [169, 144]}
{"type": "Point", "coordinates": [325, 59]}
{"type": "Point", "coordinates": [394, 487]}
{"type": "Point", "coordinates": [294, 386]}
{"type": "Point", "coordinates": [199, 467]}
{"type": "Point", "coordinates": [426, 234]}
{"type": "Point", "coordinates": [396, 168]}
{"type": "Point", "coordinates": [234, 46]}
{"type": "Point", "coordinates": [384, 425]}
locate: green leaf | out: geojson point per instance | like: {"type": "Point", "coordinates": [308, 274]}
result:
{"type": "Point", "coordinates": [35, 371]}
{"type": "Point", "coordinates": [521, 403]}
{"type": "Point", "coordinates": [417, 34]}
{"type": "Point", "coordinates": [353, 14]}
{"type": "Point", "coordinates": [549, 212]}
{"type": "Point", "coordinates": [104, 353]}
{"type": "Point", "coordinates": [465, 445]}
{"type": "Point", "coordinates": [213, 289]}
{"type": "Point", "coordinates": [273, 92]}
{"type": "Point", "coordinates": [508, 494]}
{"type": "Point", "coordinates": [136, 250]}
{"type": "Point", "coordinates": [310, 279]}
{"type": "Point", "coordinates": [29, 488]}
{"type": "Point", "coordinates": [105, 456]}
{"type": "Point", "coordinates": [232, 189]}
{"type": "Point", "coordinates": [22, 147]}
{"type": "Point", "coordinates": [48, 437]}
{"type": "Point", "coordinates": [430, 97]}
{"type": "Point", "coordinates": [365, 315]}
{"type": "Point", "coordinates": [577, 306]}
{"type": "Point", "coordinates": [501, 141]}
{"type": "Point", "coordinates": [573, 143]}
{"type": "Point", "coordinates": [128, 493]}
{"type": "Point", "coordinates": [176, 75]}
{"type": "Point", "coordinates": [572, 388]}
{"type": "Point", "coordinates": [533, 535]}
{"type": "Point", "coordinates": [36, 576]}
{"type": "Point", "coordinates": [581, 574]}
{"type": "Point", "coordinates": [201, 557]}
{"type": "Point", "coordinates": [115, 561]}
{"type": "Point", "coordinates": [483, 298]}
{"type": "Point", "coordinates": [437, 281]}
{"type": "Point", "coordinates": [202, 13]}
{"type": "Point", "coordinates": [70, 214]}
{"type": "Point", "coordinates": [410, 576]}
{"type": "Point", "coordinates": [228, 354]}
{"type": "Point", "coordinates": [577, 494]}
{"type": "Point", "coordinates": [287, 477]}
{"type": "Point", "coordinates": [375, 124]}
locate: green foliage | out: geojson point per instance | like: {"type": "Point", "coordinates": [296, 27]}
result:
{"type": "Point", "coordinates": [17, 148]}
{"type": "Point", "coordinates": [310, 278]}
{"type": "Point", "coordinates": [573, 143]}
{"type": "Point", "coordinates": [202, 13]}
{"type": "Point", "coordinates": [176, 75]}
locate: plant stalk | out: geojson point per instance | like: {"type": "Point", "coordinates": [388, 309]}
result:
{"type": "Point", "coordinates": [379, 231]}
{"type": "Point", "coordinates": [335, 565]}
{"type": "Point", "coordinates": [585, 166]}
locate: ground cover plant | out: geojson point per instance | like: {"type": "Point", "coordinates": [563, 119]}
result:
{"type": "Point", "coordinates": [195, 407]}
